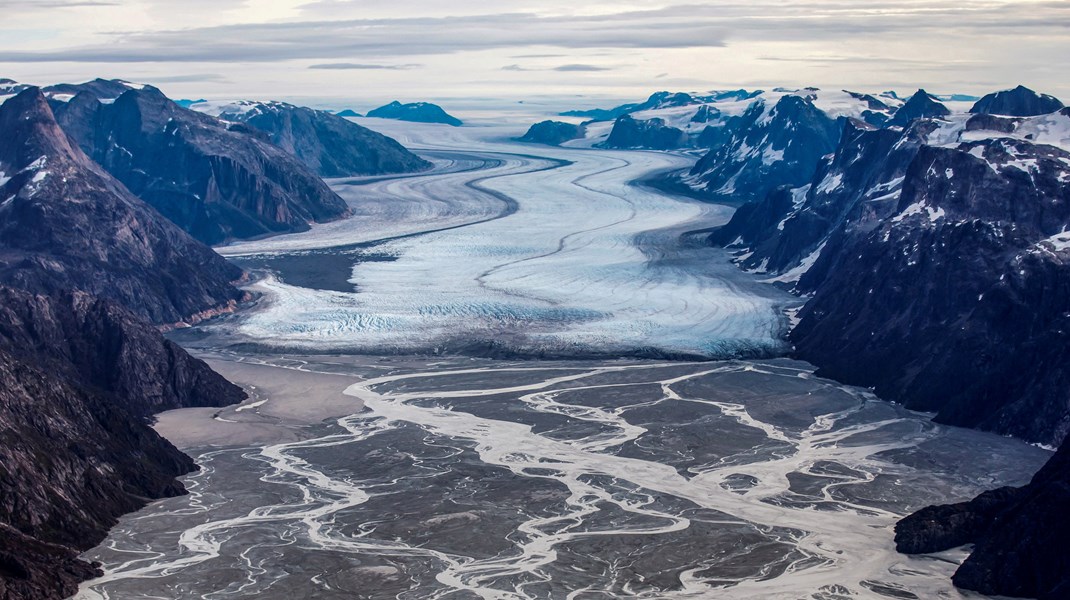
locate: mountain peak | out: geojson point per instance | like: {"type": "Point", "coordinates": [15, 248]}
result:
{"type": "Point", "coordinates": [31, 131]}
{"type": "Point", "coordinates": [1018, 102]}
{"type": "Point", "coordinates": [922, 105]}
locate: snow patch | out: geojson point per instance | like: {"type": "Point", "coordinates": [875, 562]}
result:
{"type": "Point", "coordinates": [793, 275]}
{"type": "Point", "coordinates": [918, 208]}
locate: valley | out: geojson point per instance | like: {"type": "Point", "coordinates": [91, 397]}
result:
{"type": "Point", "coordinates": [421, 424]}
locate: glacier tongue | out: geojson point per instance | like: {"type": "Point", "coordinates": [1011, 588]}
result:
{"type": "Point", "coordinates": [561, 255]}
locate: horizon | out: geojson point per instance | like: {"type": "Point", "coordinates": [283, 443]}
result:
{"type": "Point", "coordinates": [344, 54]}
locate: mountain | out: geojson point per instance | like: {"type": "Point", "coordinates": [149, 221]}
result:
{"type": "Point", "coordinates": [216, 183]}
{"type": "Point", "coordinates": [1019, 102]}
{"type": "Point", "coordinates": [957, 300]}
{"type": "Point", "coordinates": [785, 232]}
{"type": "Point", "coordinates": [417, 112]}
{"type": "Point", "coordinates": [67, 224]}
{"type": "Point", "coordinates": [1021, 536]}
{"type": "Point", "coordinates": [104, 89]}
{"type": "Point", "coordinates": [326, 143]}
{"type": "Point", "coordinates": [770, 145]}
{"type": "Point", "coordinates": [920, 106]}
{"type": "Point", "coordinates": [553, 133]}
{"type": "Point", "coordinates": [79, 379]}
{"type": "Point", "coordinates": [936, 262]}
{"type": "Point", "coordinates": [349, 114]}
{"type": "Point", "coordinates": [10, 87]}
{"type": "Point", "coordinates": [653, 134]}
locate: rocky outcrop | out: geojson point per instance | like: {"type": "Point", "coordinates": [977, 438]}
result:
{"type": "Point", "coordinates": [653, 134]}
{"type": "Point", "coordinates": [327, 143]}
{"type": "Point", "coordinates": [920, 106]}
{"type": "Point", "coordinates": [79, 380]}
{"type": "Point", "coordinates": [1019, 102]}
{"type": "Point", "coordinates": [66, 224]}
{"type": "Point", "coordinates": [34, 570]}
{"type": "Point", "coordinates": [213, 182]}
{"type": "Point", "coordinates": [553, 133]}
{"type": "Point", "coordinates": [1020, 536]}
{"type": "Point", "coordinates": [768, 147]}
{"type": "Point", "coordinates": [416, 112]}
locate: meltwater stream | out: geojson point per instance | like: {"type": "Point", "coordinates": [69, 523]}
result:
{"type": "Point", "coordinates": [486, 479]}
{"type": "Point", "coordinates": [445, 473]}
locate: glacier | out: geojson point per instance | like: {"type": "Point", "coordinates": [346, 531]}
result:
{"type": "Point", "coordinates": [517, 249]}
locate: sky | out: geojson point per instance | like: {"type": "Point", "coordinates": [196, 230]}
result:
{"type": "Point", "coordinates": [337, 53]}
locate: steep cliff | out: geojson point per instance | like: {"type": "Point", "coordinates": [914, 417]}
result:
{"type": "Point", "coordinates": [79, 379]}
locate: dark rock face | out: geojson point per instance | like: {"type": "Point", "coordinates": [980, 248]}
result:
{"type": "Point", "coordinates": [920, 106]}
{"type": "Point", "coordinates": [862, 178]}
{"type": "Point", "coordinates": [416, 112]}
{"type": "Point", "coordinates": [79, 379]}
{"type": "Point", "coordinates": [1019, 102]}
{"type": "Point", "coordinates": [650, 133]}
{"type": "Point", "coordinates": [940, 528]}
{"type": "Point", "coordinates": [66, 224]}
{"type": "Point", "coordinates": [553, 133]}
{"type": "Point", "coordinates": [1020, 535]}
{"type": "Point", "coordinates": [215, 183]}
{"type": "Point", "coordinates": [34, 570]}
{"type": "Point", "coordinates": [958, 304]}
{"type": "Point", "coordinates": [328, 144]}
{"type": "Point", "coordinates": [108, 347]}
{"type": "Point", "coordinates": [936, 268]}
{"type": "Point", "coordinates": [768, 147]}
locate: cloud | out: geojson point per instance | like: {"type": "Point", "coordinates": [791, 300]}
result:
{"type": "Point", "coordinates": [343, 66]}
{"type": "Point", "coordinates": [192, 78]}
{"type": "Point", "coordinates": [291, 40]}
{"type": "Point", "coordinates": [581, 68]}
{"type": "Point", "coordinates": [63, 4]}
{"type": "Point", "coordinates": [573, 68]}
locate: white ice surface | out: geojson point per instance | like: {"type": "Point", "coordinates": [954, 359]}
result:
{"type": "Point", "coordinates": [580, 266]}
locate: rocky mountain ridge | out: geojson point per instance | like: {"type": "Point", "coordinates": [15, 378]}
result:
{"type": "Point", "coordinates": [66, 224]}
{"type": "Point", "coordinates": [935, 257]}
{"type": "Point", "coordinates": [327, 143]}
{"type": "Point", "coordinates": [216, 183]}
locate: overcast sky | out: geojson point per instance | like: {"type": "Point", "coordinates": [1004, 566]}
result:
{"type": "Point", "coordinates": [371, 50]}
